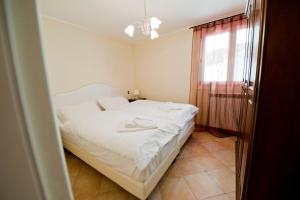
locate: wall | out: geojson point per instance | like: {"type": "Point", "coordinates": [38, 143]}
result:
{"type": "Point", "coordinates": [163, 67]}
{"type": "Point", "coordinates": [76, 57]}
{"type": "Point", "coordinates": [159, 68]}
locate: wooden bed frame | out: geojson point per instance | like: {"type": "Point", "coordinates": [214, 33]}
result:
{"type": "Point", "coordinates": [139, 189]}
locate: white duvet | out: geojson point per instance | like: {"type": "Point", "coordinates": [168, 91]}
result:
{"type": "Point", "coordinates": [177, 113]}
{"type": "Point", "coordinates": [101, 129]}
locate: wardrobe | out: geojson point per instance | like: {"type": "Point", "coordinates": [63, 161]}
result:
{"type": "Point", "coordinates": [249, 91]}
{"type": "Point", "coordinates": [267, 147]}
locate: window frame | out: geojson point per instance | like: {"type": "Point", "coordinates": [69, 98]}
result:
{"type": "Point", "coordinates": [231, 55]}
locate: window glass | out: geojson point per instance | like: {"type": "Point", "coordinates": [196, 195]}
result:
{"type": "Point", "coordinates": [239, 55]}
{"type": "Point", "coordinates": [216, 57]}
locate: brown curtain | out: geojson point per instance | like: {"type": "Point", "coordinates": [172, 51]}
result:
{"type": "Point", "coordinates": [217, 71]}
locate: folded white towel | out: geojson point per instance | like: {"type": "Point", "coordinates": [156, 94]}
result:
{"type": "Point", "coordinates": [141, 123]}
{"type": "Point", "coordinates": [137, 124]}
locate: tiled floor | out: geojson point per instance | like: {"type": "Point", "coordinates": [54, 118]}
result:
{"type": "Point", "coordinates": [204, 169]}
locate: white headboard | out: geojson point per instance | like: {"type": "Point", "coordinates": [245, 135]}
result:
{"type": "Point", "coordinates": [90, 92]}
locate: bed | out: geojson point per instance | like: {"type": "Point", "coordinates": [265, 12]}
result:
{"type": "Point", "coordinates": [141, 180]}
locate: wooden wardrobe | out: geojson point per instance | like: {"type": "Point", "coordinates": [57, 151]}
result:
{"type": "Point", "coordinates": [267, 149]}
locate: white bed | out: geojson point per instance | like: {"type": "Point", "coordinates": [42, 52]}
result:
{"type": "Point", "coordinates": [121, 170]}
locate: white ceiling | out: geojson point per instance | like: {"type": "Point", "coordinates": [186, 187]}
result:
{"type": "Point", "coordinates": [110, 17]}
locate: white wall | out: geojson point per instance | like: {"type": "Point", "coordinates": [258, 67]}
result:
{"type": "Point", "coordinates": [163, 67]}
{"type": "Point", "coordinates": [76, 57]}
{"type": "Point", "coordinates": [159, 68]}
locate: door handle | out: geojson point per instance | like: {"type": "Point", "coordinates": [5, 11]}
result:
{"type": "Point", "coordinates": [250, 99]}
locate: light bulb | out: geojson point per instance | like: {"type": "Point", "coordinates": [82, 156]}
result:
{"type": "Point", "coordinates": [129, 30]}
{"type": "Point", "coordinates": [154, 34]}
{"type": "Point", "coordinates": [155, 23]}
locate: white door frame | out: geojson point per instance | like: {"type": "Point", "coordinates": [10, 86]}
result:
{"type": "Point", "coordinates": [32, 160]}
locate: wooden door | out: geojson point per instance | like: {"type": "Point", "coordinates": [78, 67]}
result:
{"type": "Point", "coordinates": [249, 91]}
{"type": "Point", "coordinates": [242, 141]}
{"type": "Point", "coordinates": [275, 162]}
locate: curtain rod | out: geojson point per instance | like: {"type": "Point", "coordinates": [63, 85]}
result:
{"type": "Point", "coordinates": [207, 23]}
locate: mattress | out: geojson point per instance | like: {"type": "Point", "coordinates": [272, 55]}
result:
{"type": "Point", "coordinates": [120, 163]}
{"type": "Point", "coordinates": [185, 132]}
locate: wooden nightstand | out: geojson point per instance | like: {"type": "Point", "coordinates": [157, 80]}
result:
{"type": "Point", "coordinates": [132, 100]}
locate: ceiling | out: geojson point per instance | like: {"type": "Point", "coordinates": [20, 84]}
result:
{"type": "Point", "coordinates": [110, 17]}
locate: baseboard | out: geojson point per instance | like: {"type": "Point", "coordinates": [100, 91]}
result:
{"type": "Point", "coordinates": [218, 132]}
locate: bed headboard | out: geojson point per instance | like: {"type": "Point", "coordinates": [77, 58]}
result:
{"type": "Point", "coordinates": [91, 92]}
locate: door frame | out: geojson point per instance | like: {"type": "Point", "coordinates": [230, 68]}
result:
{"type": "Point", "coordinates": [32, 131]}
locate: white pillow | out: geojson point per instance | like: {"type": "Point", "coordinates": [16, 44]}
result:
{"type": "Point", "coordinates": [112, 103]}
{"type": "Point", "coordinates": [77, 111]}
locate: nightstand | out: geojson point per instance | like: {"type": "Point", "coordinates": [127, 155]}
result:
{"type": "Point", "coordinates": [132, 100]}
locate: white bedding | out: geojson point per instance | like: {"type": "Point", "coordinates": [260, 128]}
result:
{"type": "Point", "coordinates": [95, 140]}
{"type": "Point", "coordinates": [178, 114]}
{"type": "Point", "coordinates": [97, 133]}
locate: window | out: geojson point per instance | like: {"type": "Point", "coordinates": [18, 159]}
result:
{"type": "Point", "coordinates": [239, 54]}
{"type": "Point", "coordinates": [217, 55]}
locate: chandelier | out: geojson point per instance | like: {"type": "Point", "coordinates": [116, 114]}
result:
{"type": "Point", "coordinates": [148, 25]}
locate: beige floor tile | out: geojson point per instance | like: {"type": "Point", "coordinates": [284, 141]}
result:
{"type": "Point", "coordinates": [202, 185]}
{"type": "Point", "coordinates": [192, 152]}
{"type": "Point", "coordinates": [228, 144]}
{"type": "Point", "coordinates": [73, 181]}
{"type": "Point", "coordinates": [232, 168]}
{"type": "Point", "coordinates": [175, 189]}
{"type": "Point", "coordinates": [109, 186]}
{"type": "Point", "coordinates": [173, 171]}
{"type": "Point", "coordinates": [231, 195]}
{"type": "Point", "coordinates": [85, 197]}
{"type": "Point", "coordinates": [195, 150]}
{"type": "Point", "coordinates": [155, 194]}
{"type": "Point", "coordinates": [87, 184]}
{"type": "Point", "coordinates": [73, 163]}
{"type": "Point", "coordinates": [203, 137]}
{"type": "Point", "coordinates": [116, 195]}
{"type": "Point", "coordinates": [219, 197]}
{"type": "Point", "coordinates": [185, 154]}
{"type": "Point", "coordinates": [226, 157]}
{"type": "Point", "coordinates": [225, 178]}
{"type": "Point", "coordinates": [216, 146]}
{"type": "Point", "coordinates": [87, 170]}
{"type": "Point", "coordinates": [187, 166]}
{"type": "Point", "coordinates": [210, 163]}
{"type": "Point", "coordinates": [199, 172]}
{"type": "Point", "coordinates": [231, 139]}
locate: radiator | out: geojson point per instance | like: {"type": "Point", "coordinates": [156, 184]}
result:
{"type": "Point", "coordinates": [224, 111]}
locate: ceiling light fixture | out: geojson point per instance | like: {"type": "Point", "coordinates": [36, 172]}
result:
{"type": "Point", "coordinates": [148, 25]}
